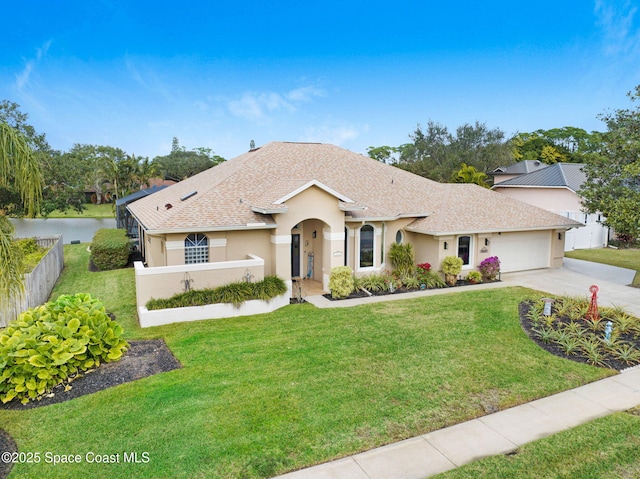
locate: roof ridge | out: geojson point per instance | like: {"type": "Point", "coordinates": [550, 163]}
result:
{"type": "Point", "coordinates": [564, 177]}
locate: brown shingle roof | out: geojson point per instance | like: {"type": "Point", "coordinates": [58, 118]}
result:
{"type": "Point", "coordinates": [228, 194]}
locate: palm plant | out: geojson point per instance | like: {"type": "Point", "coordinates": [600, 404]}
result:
{"type": "Point", "coordinates": [18, 165]}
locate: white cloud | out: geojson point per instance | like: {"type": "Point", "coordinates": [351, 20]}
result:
{"type": "Point", "coordinates": [260, 106]}
{"type": "Point", "coordinates": [621, 36]}
{"type": "Point", "coordinates": [335, 134]}
{"type": "Point", "coordinates": [22, 79]}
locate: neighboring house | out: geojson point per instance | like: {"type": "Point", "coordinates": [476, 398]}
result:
{"type": "Point", "coordinates": [503, 173]}
{"type": "Point", "coordinates": [555, 188]}
{"type": "Point", "coordinates": [306, 208]}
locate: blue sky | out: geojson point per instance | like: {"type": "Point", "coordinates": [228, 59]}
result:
{"type": "Point", "coordinates": [215, 74]}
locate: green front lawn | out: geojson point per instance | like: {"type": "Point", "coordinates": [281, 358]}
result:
{"type": "Point", "coordinates": [91, 211]}
{"type": "Point", "coordinates": [607, 448]}
{"type": "Point", "coordinates": [623, 258]}
{"type": "Point", "coordinates": [262, 395]}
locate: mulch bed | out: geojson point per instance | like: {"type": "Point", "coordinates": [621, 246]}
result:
{"type": "Point", "coordinates": [144, 358]}
{"type": "Point", "coordinates": [555, 349]}
{"type": "Point", "coordinates": [362, 294]}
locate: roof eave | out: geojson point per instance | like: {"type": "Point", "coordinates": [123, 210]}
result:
{"type": "Point", "coordinates": [204, 229]}
{"type": "Point", "coordinates": [493, 230]}
{"type": "Point", "coordinates": [270, 211]}
{"type": "Point", "coordinates": [387, 218]}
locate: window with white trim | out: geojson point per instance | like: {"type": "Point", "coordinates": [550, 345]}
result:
{"type": "Point", "coordinates": [367, 236]}
{"type": "Point", "coordinates": [196, 248]}
{"type": "Point", "coordinates": [464, 249]}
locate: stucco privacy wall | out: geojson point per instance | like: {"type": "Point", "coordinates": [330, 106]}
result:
{"type": "Point", "coordinates": [165, 281]}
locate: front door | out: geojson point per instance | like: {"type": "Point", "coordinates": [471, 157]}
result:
{"type": "Point", "coordinates": [295, 255]}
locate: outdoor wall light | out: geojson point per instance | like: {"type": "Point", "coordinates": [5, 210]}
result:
{"type": "Point", "coordinates": [487, 242]}
{"type": "Point", "coordinates": [446, 246]}
{"type": "Point", "coordinates": [559, 236]}
{"type": "Point", "coordinates": [314, 234]}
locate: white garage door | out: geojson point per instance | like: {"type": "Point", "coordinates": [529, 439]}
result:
{"type": "Point", "coordinates": [522, 251]}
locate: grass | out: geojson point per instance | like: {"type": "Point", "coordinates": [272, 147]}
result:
{"type": "Point", "coordinates": [262, 395]}
{"type": "Point", "coordinates": [607, 448]}
{"type": "Point", "coordinates": [623, 258]}
{"type": "Point", "coordinates": [91, 211]}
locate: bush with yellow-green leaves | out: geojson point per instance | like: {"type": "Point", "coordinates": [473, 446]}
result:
{"type": "Point", "coordinates": [53, 343]}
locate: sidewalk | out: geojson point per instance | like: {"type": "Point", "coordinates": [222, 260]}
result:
{"type": "Point", "coordinates": [499, 433]}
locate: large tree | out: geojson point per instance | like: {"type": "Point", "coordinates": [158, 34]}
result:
{"type": "Point", "coordinates": [182, 163]}
{"type": "Point", "coordinates": [20, 169]}
{"type": "Point", "coordinates": [613, 176]}
{"type": "Point", "coordinates": [438, 154]}
{"type": "Point", "coordinates": [566, 144]}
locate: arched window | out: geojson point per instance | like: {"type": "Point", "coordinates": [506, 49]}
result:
{"type": "Point", "coordinates": [399, 236]}
{"type": "Point", "coordinates": [464, 249]}
{"type": "Point", "coordinates": [366, 246]}
{"type": "Point", "coordinates": [196, 248]}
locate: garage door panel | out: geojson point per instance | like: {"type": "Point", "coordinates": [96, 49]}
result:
{"type": "Point", "coordinates": [522, 251]}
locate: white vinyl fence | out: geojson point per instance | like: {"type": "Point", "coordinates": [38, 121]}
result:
{"type": "Point", "coordinates": [39, 283]}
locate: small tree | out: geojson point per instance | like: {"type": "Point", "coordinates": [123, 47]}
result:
{"type": "Point", "coordinates": [402, 258]}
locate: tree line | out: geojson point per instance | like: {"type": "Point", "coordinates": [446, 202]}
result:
{"type": "Point", "coordinates": [473, 151]}
{"type": "Point", "coordinates": [107, 171]}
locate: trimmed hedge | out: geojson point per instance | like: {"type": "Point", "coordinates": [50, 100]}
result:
{"type": "Point", "coordinates": [236, 293]}
{"type": "Point", "coordinates": [110, 249]}
{"type": "Point", "coordinates": [52, 343]}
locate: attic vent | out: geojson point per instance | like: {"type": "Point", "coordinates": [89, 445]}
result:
{"type": "Point", "coordinates": [189, 195]}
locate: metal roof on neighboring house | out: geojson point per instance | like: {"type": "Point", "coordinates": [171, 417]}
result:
{"type": "Point", "coordinates": [569, 175]}
{"type": "Point", "coordinates": [520, 168]}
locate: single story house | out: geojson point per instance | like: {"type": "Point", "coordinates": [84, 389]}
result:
{"type": "Point", "coordinates": [305, 208]}
{"type": "Point", "coordinates": [555, 188]}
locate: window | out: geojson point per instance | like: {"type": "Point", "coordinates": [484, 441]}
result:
{"type": "Point", "coordinates": [366, 246]}
{"type": "Point", "coordinates": [399, 237]}
{"type": "Point", "coordinates": [464, 249]}
{"type": "Point", "coordinates": [196, 248]}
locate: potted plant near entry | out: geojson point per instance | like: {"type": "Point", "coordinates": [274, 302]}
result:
{"type": "Point", "coordinates": [451, 267]}
{"type": "Point", "coordinates": [474, 277]}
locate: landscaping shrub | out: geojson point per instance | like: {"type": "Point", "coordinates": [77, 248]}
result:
{"type": "Point", "coordinates": [474, 277]}
{"type": "Point", "coordinates": [490, 268]}
{"type": "Point", "coordinates": [341, 283]}
{"type": "Point", "coordinates": [430, 279]}
{"type": "Point", "coordinates": [402, 258]}
{"type": "Point", "coordinates": [110, 249]}
{"type": "Point", "coordinates": [31, 252]}
{"type": "Point", "coordinates": [375, 283]}
{"type": "Point", "coordinates": [52, 343]}
{"type": "Point", "coordinates": [451, 267]}
{"type": "Point", "coordinates": [235, 293]}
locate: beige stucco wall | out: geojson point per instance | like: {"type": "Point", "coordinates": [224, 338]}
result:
{"type": "Point", "coordinates": [551, 199]}
{"type": "Point", "coordinates": [310, 210]}
{"type": "Point", "coordinates": [165, 281]}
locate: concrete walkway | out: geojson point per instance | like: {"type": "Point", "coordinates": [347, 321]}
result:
{"type": "Point", "coordinates": [498, 433]}
{"type": "Point", "coordinates": [502, 432]}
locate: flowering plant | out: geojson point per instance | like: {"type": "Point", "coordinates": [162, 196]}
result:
{"type": "Point", "coordinates": [490, 268]}
{"type": "Point", "coordinates": [424, 267]}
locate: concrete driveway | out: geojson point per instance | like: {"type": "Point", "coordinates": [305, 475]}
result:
{"type": "Point", "coordinates": [575, 277]}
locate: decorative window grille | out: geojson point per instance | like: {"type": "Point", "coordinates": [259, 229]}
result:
{"type": "Point", "coordinates": [196, 248]}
